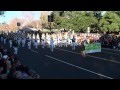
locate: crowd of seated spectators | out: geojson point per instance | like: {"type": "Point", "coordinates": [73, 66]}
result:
{"type": "Point", "coordinates": [11, 68]}
{"type": "Point", "coordinates": [110, 41]}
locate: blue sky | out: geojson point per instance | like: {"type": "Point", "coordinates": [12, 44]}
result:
{"type": "Point", "coordinates": [9, 15]}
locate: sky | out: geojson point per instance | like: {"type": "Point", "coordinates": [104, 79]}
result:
{"type": "Point", "coordinates": [9, 15]}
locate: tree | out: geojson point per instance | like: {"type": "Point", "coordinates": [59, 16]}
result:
{"type": "Point", "coordinates": [110, 22]}
{"type": "Point", "coordinates": [75, 20]}
{"type": "Point", "coordinates": [28, 17]}
{"type": "Point", "coordinates": [80, 20]}
{"type": "Point", "coordinates": [44, 20]}
{"type": "Point", "coordinates": [36, 24]}
{"type": "Point", "coordinates": [4, 27]}
{"type": "Point", "coordinates": [13, 24]}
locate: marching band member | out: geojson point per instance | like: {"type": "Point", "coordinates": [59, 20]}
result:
{"type": "Point", "coordinates": [48, 40]}
{"type": "Point", "coordinates": [10, 42]}
{"type": "Point", "coordinates": [4, 40]}
{"type": "Point", "coordinates": [19, 40]}
{"type": "Point", "coordinates": [60, 41]}
{"type": "Point", "coordinates": [23, 42]}
{"type": "Point", "coordinates": [51, 43]}
{"type": "Point", "coordinates": [15, 46]}
{"type": "Point", "coordinates": [65, 40]}
{"type": "Point", "coordinates": [36, 44]}
{"type": "Point", "coordinates": [29, 44]}
{"type": "Point", "coordinates": [43, 43]}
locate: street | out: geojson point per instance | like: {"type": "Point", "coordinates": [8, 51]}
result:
{"type": "Point", "coordinates": [65, 63]}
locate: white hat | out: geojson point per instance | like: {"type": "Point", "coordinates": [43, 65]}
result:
{"type": "Point", "coordinates": [5, 56]}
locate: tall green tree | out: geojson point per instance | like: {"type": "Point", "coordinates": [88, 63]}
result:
{"type": "Point", "coordinates": [80, 20]}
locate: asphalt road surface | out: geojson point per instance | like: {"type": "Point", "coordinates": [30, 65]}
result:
{"type": "Point", "coordinates": [65, 63]}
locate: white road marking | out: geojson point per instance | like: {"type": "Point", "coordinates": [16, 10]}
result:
{"type": "Point", "coordinates": [110, 49]}
{"type": "Point", "coordinates": [111, 53]}
{"type": "Point", "coordinates": [67, 51]}
{"type": "Point", "coordinates": [105, 59]}
{"type": "Point", "coordinates": [91, 56]}
{"type": "Point", "coordinates": [34, 51]}
{"type": "Point", "coordinates": [79, 67]}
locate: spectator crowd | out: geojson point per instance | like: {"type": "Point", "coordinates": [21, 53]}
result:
{"type": "Point", "coordinates": [11, 68]}
{"type": "Point", "coordinates": [110, 41]}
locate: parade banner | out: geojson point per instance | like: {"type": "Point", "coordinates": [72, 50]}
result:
{"type": "Point", "coordinates": [92, 48]}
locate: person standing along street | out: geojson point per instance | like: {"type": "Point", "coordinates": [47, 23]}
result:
{"type": "Point", "coordinates": [73, 43]}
